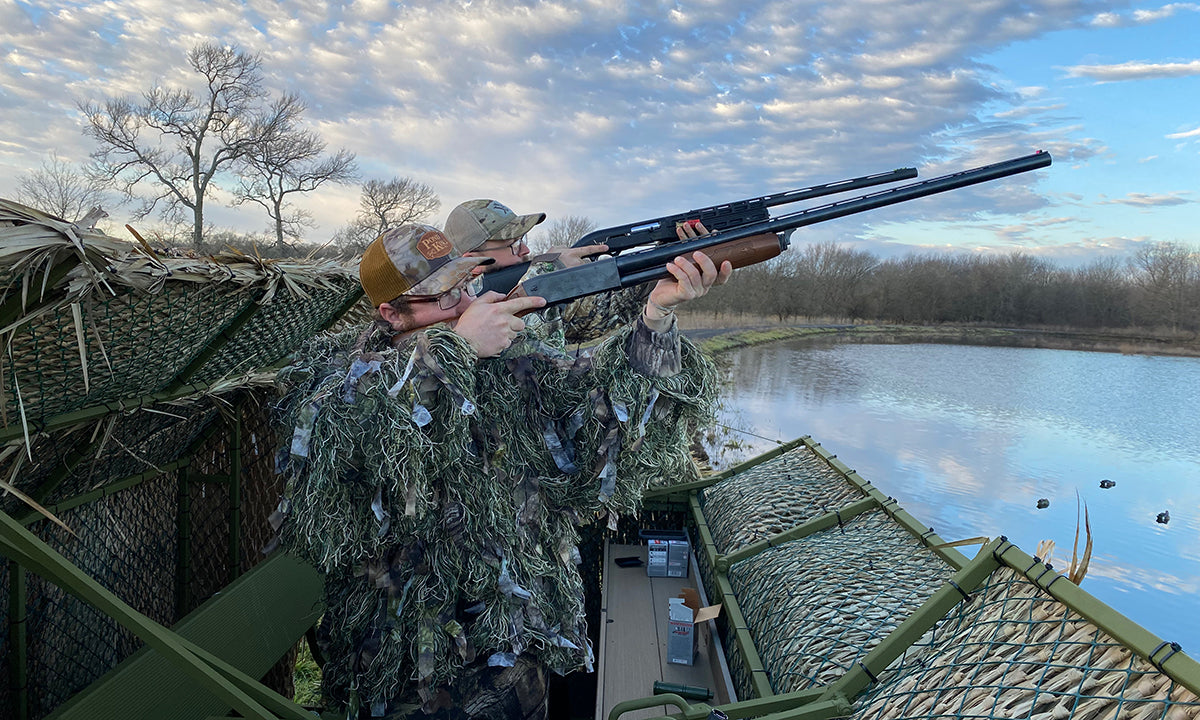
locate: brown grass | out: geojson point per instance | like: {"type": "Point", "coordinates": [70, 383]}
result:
{"type": "Point", "coordinates": [740, 330]}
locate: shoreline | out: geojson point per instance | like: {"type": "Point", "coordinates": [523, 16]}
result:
{"type": "Point", "coordinates": [716, 340]}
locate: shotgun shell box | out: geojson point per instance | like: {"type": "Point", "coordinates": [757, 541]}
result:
{"type": "Point", "coordinates": [683, 616]}
{"type": "Point", "coordinates": [681, 636]}
{"type": "Point", "coordinates": [667, 558]}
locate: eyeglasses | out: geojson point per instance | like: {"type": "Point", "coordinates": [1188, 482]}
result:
{"type": "Point", "coordinates": [445, 301]}
{"type": "Point", "coordinates": [514, 245]}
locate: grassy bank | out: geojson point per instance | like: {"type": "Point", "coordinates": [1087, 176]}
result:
{"type": "Point", "coordinates": [720, 334]}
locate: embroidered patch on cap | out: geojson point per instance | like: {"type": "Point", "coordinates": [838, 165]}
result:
{"type": "Point", "coordinates": [433, 245]}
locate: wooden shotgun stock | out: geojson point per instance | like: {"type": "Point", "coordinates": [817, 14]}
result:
{"type": "Point", "coordinates": [604, 275]}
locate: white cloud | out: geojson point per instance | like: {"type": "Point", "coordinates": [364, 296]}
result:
{"type": "Point", "coordinates": [1185, 134]}
{"type": "Point", "coordinates": [598, 108]}
{"type": "Point", "coordinates": [1135, 71]}
{"type": "Point", "coordinates": [1141, 16]}
{"type": "Point", "coordinates": [1027, 111]}
{"type": "Point", "coordinates": [1144, 200]}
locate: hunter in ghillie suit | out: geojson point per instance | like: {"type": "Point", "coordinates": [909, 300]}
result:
{"type": "Point", "coordinates": [438, 477]}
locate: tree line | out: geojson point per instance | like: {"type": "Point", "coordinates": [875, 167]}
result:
{"type": "Point", "coordinates": [1158, 287]}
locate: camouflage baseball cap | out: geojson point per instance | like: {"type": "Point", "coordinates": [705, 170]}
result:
{"type": "Point", "coordinates": [476, 221]}
{"type": "Point", "coordinates": [413, 260]}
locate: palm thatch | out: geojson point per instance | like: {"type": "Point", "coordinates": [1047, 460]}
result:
{"type": "Point", "coordinates": [128, 404]}
{"type": "Point", "coordinates": [91, 323]}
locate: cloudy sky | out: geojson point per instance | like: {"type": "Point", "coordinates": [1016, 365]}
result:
{"type": "Point", "coordinates": [619, 111]}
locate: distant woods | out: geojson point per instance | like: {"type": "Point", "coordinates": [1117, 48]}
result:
{"type": "Point", "coordinates": [1159, 287]}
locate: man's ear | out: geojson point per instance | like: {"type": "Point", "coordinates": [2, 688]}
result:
{"type": "Point", "coordinates": [392, 316]}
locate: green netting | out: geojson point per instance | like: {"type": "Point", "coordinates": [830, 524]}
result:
{"type": "Point", "coordinates": [262, 487]}
{"type": "Point", "coordinates": [128, 542]}
{"type": "Point", "coordinates": [142, 320]}
{"type": "Point", "coordinates": [28, 475]}
{"type": "Point", "coordinates": [816, 604]}
{"type": "Point", "coordinates": [114, 448]}
{"type": "Point", "coordinates": [277, 328]}
{"type": "Point", "coordinates": [739, 672]}
{"type": "Point", "coordinates": [1016, 651]}
{"type": "Point", "coordinates": [208, 569]}
{"type": "Point", "coordinates": [136, 343]}
{"type": "Point", "coordinates": [118, 541]}
{"type": "Point", "coordinates": [773, 496]}
{"type": "Point", "coordinates": [816, 611]}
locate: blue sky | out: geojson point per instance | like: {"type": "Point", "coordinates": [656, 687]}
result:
{"type": "Point", "coordinates": [620, 111]}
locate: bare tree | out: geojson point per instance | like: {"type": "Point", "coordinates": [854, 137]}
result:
{"type": "Point", "coordinates": [562, 232]}
{"type": "Point", "coordinates": [179, 140]}
{"type": "Point", "coordinates": [832, 277]}
{"type": "Point", "coordinates": [386, 204]}
{"type": "Point", "coordinates": [1166, 275]}
{"type": "Point", "coordinates": [60, 189]}
{"type": "Point", "coordinates": [1102, 291]}
{"type": "Point", "coordinates": [289, 161]}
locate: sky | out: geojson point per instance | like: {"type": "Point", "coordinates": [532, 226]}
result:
{"type": "Point", "coordinates": [623, 111]}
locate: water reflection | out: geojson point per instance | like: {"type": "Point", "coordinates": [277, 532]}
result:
{"type": "Point", "coordinates": [969, 438]}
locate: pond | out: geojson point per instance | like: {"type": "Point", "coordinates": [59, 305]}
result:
{"type": "Point", "coordinates": [968, 439]}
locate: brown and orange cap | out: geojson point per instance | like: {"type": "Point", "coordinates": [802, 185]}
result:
{"type": "Point", "coordinates": [413, 260]}
{"type": "Point", "coordinates": [476, 221]}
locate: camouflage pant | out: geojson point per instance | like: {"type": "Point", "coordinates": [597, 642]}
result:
{"type": "Point", "coordinates": [483, 693]}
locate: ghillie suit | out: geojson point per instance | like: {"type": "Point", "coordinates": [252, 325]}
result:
{"type": "Point", "coordinates": [441, 494]}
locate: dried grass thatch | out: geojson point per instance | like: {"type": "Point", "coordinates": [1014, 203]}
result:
{"type": "Point", "coordinates": [92, 325]}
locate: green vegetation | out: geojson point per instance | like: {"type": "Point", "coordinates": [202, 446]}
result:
{"type": "Point", "coordinates": [307, 678]}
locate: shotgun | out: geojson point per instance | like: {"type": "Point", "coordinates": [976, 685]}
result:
{"type": "Point", "coordinates": [750, 243]}
{"type": "Point", "coordinates": [717, 217]}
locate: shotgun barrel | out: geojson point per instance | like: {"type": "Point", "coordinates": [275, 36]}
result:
{"type": "Point", "coordinates": [752, 242]}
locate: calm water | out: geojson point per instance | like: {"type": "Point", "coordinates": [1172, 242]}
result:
{"type": "Point", "coordinates": [969, 438]}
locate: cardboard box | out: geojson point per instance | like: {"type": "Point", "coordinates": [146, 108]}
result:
{"type": "Point", "coordinates": [684, 617]}
{"type": "Point", "coordinates": [667, 558]}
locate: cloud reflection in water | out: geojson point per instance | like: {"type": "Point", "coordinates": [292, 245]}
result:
{"type": "Point", "coordinates": [968, 438]}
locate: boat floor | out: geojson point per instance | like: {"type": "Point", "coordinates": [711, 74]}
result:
{"type": "Point", "coordinates": [633, 639]}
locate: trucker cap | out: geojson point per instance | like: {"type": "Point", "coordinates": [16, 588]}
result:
{"type": "Point", "coordinates": [476, 221]}
{"type": "Point", "coordinates": [413, 260]}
